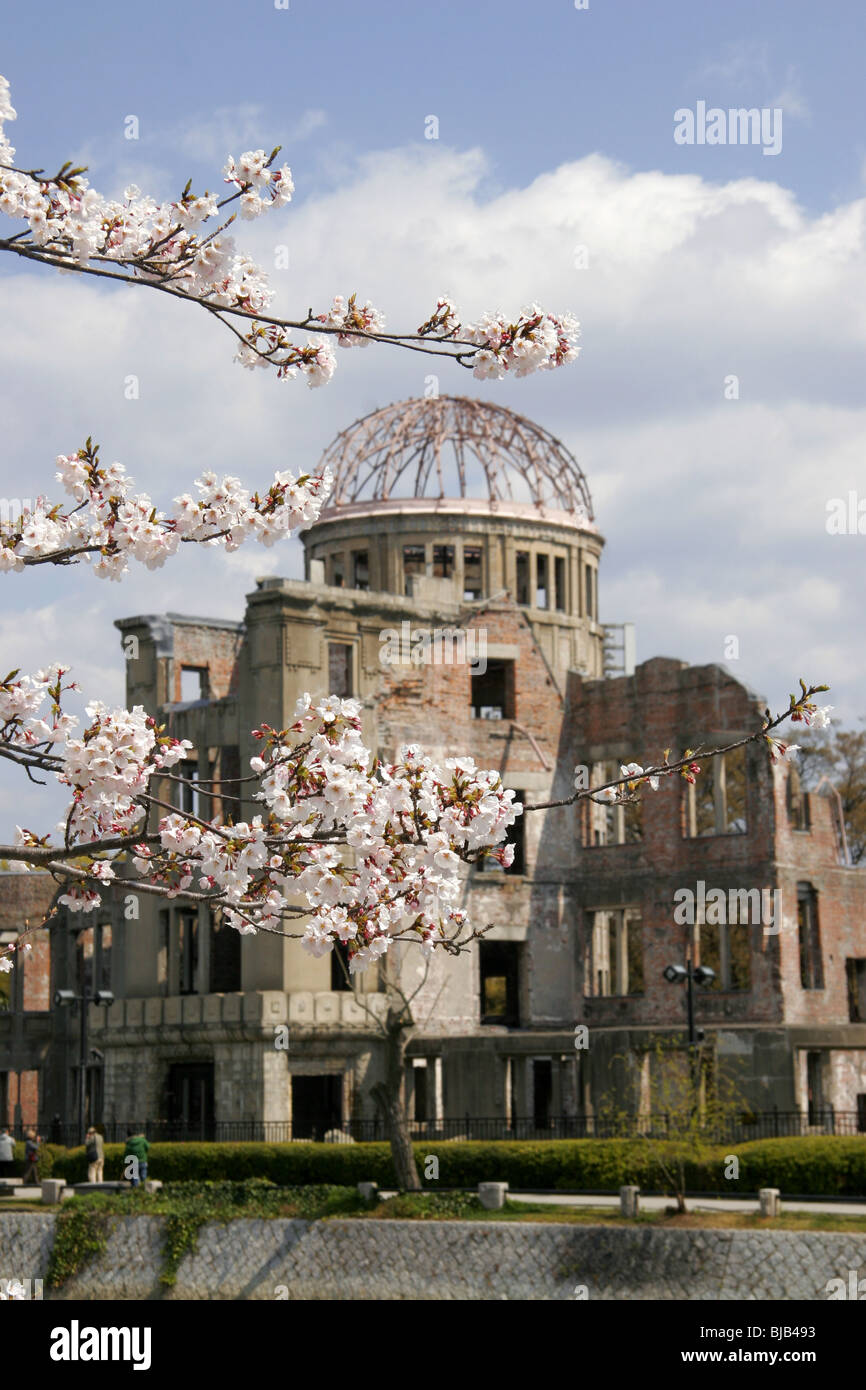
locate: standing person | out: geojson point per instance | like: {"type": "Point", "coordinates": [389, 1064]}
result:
{"type": "Point", "coordinates": [7, 1154]}
{"type": "Point", "coordinates": [137, 1148]}
{"type": "Point", "coordinates": [94, 1147]}
{"type": "Point", "coordinates": [31, 1157]}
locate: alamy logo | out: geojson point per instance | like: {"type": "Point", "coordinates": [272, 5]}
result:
{"type": "Point", "coordinates": [738, 126]}
{"type": "Point", "coordinates": [438, 646]}
{"type": "Point", "coordinates": [855, 1291]}
{"type": "Point", "coordinates": [75, 1343]}
{"type": "Point", "coordinates": [739, 906]}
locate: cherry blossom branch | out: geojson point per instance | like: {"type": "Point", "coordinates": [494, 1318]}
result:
{"type": "Point", "coordinates": [71, 227]}
{"type": "Point", "coordinates": [375, 849]}
{"type": "Point", "coordinates": [109, 521]}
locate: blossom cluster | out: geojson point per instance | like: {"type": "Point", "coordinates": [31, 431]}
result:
{"type": "Point", "coordinates": [536, 342]}
{"type": "Point", "coordinates": [72, 226]}
{"type": "Point", "coordinates": [108, 766]}
{"type": "Point", "coordinates": [802, 710]}
{"type": "Point", "coordinates": [633, 776]}
{"type": "Point", "coordinates": [374, 850]}
{"type": "Point", "coordinates": [109, 523]}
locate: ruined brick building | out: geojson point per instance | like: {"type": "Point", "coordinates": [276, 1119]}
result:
{"type": "Point", "coordinates": [497, 594]}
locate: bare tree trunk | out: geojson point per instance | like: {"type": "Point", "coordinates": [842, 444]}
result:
{"type": "Point", "coordinates": [389, 1096]}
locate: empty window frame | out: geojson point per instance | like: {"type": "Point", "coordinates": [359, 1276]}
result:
{"type": "Point", "coordinates": [340, 670]}
{"type": "Point", "coordinates": [615, 965]}
{"type": "Point", "coordinates": [815, 1087]}
{"type": "Point", "coordinates": [715, 803]}
{"type": "Point", "coordinates": [187, 951]}
{"type": "Point", "coordinates": [620, 823]}
{"type": "Point", "coordinates": [855, 973]}
{"type": "Point", "coordinates": [541, 581]}
{"type": "Point", "coordinates": [360, 569]}
{"type": "Point", "coordinates": [414, 564]}
{"type": "Point", "coordinates": [194, 684]}
{"type": "Point", "coordinates": [493, 692]}
{"type": "Point", "coordinates": [225, 957]}
{"type": "Point", "coordinates": [163, 938]}
{"type": "Point", "coordinates": [340, 977]}
{"type": "Point", "coordinates": [419, 1090]}
{"type": "Point", "coordinates": [337, 563]}
{"type": "Point", "coordinates": [809, 933]}
{"type": "Point", "coordinates": [542, 1091]}
{"type": "Point", "coordinates": [521, 560]}
{"type": "Point", "coordinates": [726, 948]}
{"type": "Point", "coordinates": [589, 592]}
{"type": "Point", "coordinates": [443, 561]}
{"type": "Point", "coordinates": [559, 602]}
{"type": "Point", "coordinates": [473, 582]}
{"type": "Point", "coordinates": [500, 980]}
{"type": "Point", "coordinates": [189, 799]}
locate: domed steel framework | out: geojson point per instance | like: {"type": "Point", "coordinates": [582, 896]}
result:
{"type": "Point", "coordinates": [424, 443]}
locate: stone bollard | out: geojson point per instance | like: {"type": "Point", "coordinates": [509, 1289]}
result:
{"type": "Point", "coordinates": [629, 1201]}
{"type": "Point", "coordinates": [492, 1195]}
{"type": "Point", "coordinates": [52, 1190]}
{"type": "Point", "coordinates": [369, 1191]}
{"type": "Point", "coordinates": [770, 1203]}
{"type": "Point", "coordinates": [152, 1185]}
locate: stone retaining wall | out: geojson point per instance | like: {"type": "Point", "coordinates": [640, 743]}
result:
{"type": "Point", "coordinates": [369, 1259]}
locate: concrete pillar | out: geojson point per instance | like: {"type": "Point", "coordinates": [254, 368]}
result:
{"type": "Point", "coordinates": [492, 1195]}
{"type": "Point", "coordinates": [769, 1200]}
{"type": "Point", "coordinates": [629, 1201]}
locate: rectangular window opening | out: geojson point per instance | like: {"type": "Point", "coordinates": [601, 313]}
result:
{"type": "Point", "coordinates": [472, 579]}
{"type": "Point", "coordinates": [559, 583]}
{"type": "Point", "coordinates": [589, 599]}
{"type": "Point", "coordinates": [225, 957]}
{"type": "Point", "coordinates": [522, 576]}
{"type": "Point", "coordinates": [340, 978]}
{"type": "Point", "coordinates": [855, 974]}
{"type": "Point", "coordinates": [360, 569]}
{"type": "Point", "coordinates": [811, 961]}
{"type": "Point", "coordinates": [414, 564]}
{"type": "Point", "coordinates": [541, 581]}
{"type": "Point", "coordinates": [337, 563]}
{"type": "Point", "coordinates": [187, 944]}
{"type": "Point", "coordinates": [443, 561]}
{"type": "Point", "coordinates": [493, 692]}
{"type": "Point", "coordinates": [194, 684]}
{"type": "Point", "coordinates": [615, 965]}
{"type": "Point", "coordinates": [340, 670]}
{"type": "Point", "coordinates": [500, 974]}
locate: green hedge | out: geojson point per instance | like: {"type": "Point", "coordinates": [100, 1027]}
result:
{"type": "Point", "coordinates": [47, 1155]}
{"type": "Point", "coordinates": [820, 1166]}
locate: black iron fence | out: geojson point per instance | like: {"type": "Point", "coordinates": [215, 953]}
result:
{"type": "Point", "coordinates": [764, 1124]}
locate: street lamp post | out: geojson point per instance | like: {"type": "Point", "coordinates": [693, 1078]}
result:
{"type": "Point", "coordinates": [64, 998]}
{"type": "Point", "coordinates": [692, 975]}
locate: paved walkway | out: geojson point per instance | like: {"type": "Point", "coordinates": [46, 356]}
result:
{"type": "Point", "coordinates": [693, 1203]}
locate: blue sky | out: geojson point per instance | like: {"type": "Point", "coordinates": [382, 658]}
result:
{"type": "Point", "coordinates": [555, 132]}
{"type": "Point", "coordinates": [533, 84]}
